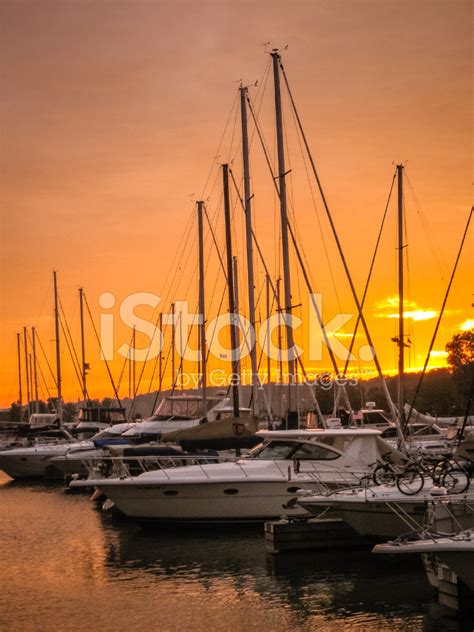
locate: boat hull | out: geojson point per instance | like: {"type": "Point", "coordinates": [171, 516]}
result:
{"type": "Point", "coordinates": [210, 502]}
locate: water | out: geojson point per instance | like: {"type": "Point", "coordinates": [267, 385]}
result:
{"type": "Point", "coordinates": [67, 566]}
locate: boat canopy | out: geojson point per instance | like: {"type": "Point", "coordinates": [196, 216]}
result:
{"type": "Point", "coordinates": [43, 420]}
{"type": "Point", "coordinates": [185, 406]}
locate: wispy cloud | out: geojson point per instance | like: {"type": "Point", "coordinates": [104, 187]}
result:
{"type": "Point", "coordinates": [414, 311]}
{"type": "Point", "coordinates": [438, 354]}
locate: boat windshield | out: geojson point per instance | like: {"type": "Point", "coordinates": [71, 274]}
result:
{"type": "Point", "coordinates": [278, 450]}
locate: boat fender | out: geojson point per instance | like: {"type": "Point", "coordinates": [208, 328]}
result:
{"type": "Point", "coordinates": [296, 466]}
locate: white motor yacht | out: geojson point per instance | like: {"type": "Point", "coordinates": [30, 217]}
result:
{"type": "Point", "coordinates": [255, 488]}
{"type": "Point", "coordinates": [37, 461]}
{"type": "Point", "coordinates": [382, 511]}
{"type": "Point", "coordinates": [180, 412]}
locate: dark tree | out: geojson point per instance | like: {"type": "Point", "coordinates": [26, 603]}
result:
{"type": "Point", "coordinates": [461, 361]}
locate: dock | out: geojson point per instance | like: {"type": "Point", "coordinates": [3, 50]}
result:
{"type": "Point", "coordinates": [298, 534]}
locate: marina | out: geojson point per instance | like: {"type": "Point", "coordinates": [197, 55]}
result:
{"type": "Point", "coordinates": [251, 406]}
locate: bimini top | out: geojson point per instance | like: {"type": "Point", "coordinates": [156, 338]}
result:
{"type": "Point", "coordinates": [316, 433]}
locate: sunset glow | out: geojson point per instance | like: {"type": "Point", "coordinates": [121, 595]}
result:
{"type": "Point", "coordinates": [112, 118]}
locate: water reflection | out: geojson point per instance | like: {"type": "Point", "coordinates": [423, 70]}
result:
{"type": "Point", "coordinates": [68, 566]}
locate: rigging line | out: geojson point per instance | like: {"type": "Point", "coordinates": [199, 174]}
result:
{"type": "Point", "coordinates": [184, 259]}
{"type": "Point", "coordinates": [176, 264]}
{"type": "Point", "coordinates": [102, 351]}
{"type": "Point", "coordinates": [409, 327]}
{"type": "Point", "coordinates": [38, 365]}
{"type": "Point", "coordinates": [76, 371]}
{"type": "Point", "coordinates": [75, 358]}
{"type": "Point", "coordinates": [230, 158]}
{"type": "Point", "coordinates": [160, 377]}
{"type": "Point", "coordinates": [216, 244]}
{"type": "Point", "coordinates": [44, 301]}
{"type": "Point", "coordinates": [420, 380]}
{"type": "Point", "coordinates": [424, 220]}
{"type": "Point", "coordinates": [124, 365]}
{"type": "Point", "coordinates": [181, 362]}
{"type": "Point", "coordinates": [344, 262]}
{"type": "Point", "coordinates": [371, 268]}
{"type": "Point", "coordinates": [234, 104]}
{"type": "Point", "coordinates": [321, 232]}
{"type": "Point", "coordinates": [153, 337]}
{"type": "Point", "coordinates": [211, 340]}
{"type": "Point", "coordinates": [300, 260]}
{"type": "Point", "coordinates": [260, 94]}
{"type": "Point", "coordinates": [47, 361]}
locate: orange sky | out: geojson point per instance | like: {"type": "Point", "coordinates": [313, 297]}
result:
{"type": "Point", "coordinates": [112, 113]}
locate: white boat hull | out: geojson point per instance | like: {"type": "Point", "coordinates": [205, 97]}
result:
{"type": "Point", "coordinates": [216, 501]}
{"type": "Point", "coordinates": [34, 462]}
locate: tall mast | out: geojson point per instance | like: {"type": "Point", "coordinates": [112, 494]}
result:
{"type": "Point", "coordinates": [230, 285]}
{"type": "Point", "coordinates": [35, 371]}
{"type": "Point", "coordinates": [30, 368]}
{"type": "Point", "coordinates": [133, 360]}
{"type": "Point", "coordinates": [27, 371]}
{"type": "Point", "coordinates": [249, 245]}
{"type": "Point", "coordinates": [173, 337]}
{"type": "Point", "coordinates": [20, 394]}
{"type": "Point", "coordinates": [292, 420]}
{"type": "Point", "coordinates": [280, 342]}
{"type": "Point", "coordinates": [202, 307]}
{"type": "Point", "coordinates": [59, 409]}
{"type": "Point", "coordinates": [160, 359]}
{"type": "Point", "coordinates": [268, 341]}
{"type": "Point", "coordinates": [235, 273]}
{"type": "Point", "coordinates": [83, 345]}
{"type": "Point", "coordinates": [401, 321]}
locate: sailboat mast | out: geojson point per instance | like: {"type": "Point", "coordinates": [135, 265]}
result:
{"type": "Point", "coordinates": [30, 365]}
{"type": "Point", "coordinates": [235, 271]}
{"type": "Point", "coordinates": [59, 408]}
{"type": "Point", "coordinates": [249, 246]}
{"type": "Point", "coordinates": [230, 286]}
{"type": "Point", "coordinates": [83, 345]}
{"type": "Point", "coordinates": [401, 320]}
{"type": "Point", "coordinates": [267, 339]}
{"type": "Point", "coordinates": [202, 306]}
{"type": "Point", "coordinates": [160, 358]}
{"type": "Point", "coordinates": [173, 338]}
{"type": "Point", "coordinates": [27, 372]}
{"type": "Point", "coordinates": [20, 394]}
{"type": "Point", "coordinates": [35, 371]}
{"type": "Point", "coordinates": [292, 420]}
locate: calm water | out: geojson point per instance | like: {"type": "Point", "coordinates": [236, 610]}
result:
{"type": "Point", "coordinates": [66, 566]}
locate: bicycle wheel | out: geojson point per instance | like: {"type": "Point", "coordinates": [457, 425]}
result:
{"type": "Point", "coordinates": [382, 475]}
{"type": "Point", "coordinates": [456, 480]}
{"type": "Point", "coordinates": [410, 482]}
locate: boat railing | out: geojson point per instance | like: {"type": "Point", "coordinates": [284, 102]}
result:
{"type": "Point", "coordinates": [130, 466]}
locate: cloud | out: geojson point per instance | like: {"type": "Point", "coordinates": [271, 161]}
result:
{"type": "Point", "coordinates": [414, 313]}
{"type": "Point", "coordinates": [467, 325]}
{"type": "Point", "coordinates": [438, 354]}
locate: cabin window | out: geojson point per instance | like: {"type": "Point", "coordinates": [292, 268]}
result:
{"type": "Point", "coordinates": [308, 451]}
{"type": "Point", "coordinates": [276, 450]}
{"type": "Point", "coordinates": [231, 491]}
{"type": "Point", "coordinates": [170, 492]}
